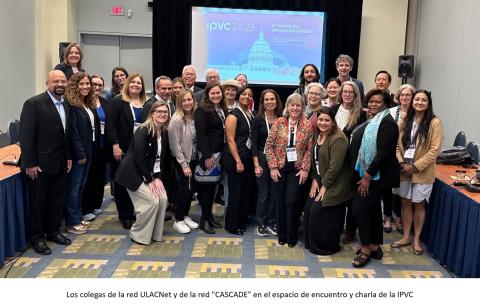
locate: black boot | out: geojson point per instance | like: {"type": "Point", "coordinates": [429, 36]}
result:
{"type": "Point", "coordinates": [205, 226]}
{"type": "Point", "coordinates": [214, 223]}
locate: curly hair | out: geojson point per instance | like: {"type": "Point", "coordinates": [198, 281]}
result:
{"type": "Point", "coordinates": [72, 93]}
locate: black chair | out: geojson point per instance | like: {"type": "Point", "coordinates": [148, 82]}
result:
{"type": "Point", "coordinates": [474, 151]}
{"type": "Point", "coordinates": [460, 140]}
{"type": "Point", "coordinates": [4, 139]}
{"type": "Point", "coordinates": [14, 131]}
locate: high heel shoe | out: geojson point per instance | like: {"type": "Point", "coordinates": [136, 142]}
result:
{"type": "Point", "coordinates": [213, 223]}
{"type": "Point", "coordinates": [205, 226]}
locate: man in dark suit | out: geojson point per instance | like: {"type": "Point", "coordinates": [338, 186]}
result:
{"type": "Point", "coordinates": [163, 92]}
{"type": "Point", "coordinates": [44, 140]}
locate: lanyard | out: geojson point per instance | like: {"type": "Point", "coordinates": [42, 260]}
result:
{"type": "Point", "coordinates": [294, 133]}
{"type": "Point", "coordinates": [266, 122]}
{"type": "Point", "coordinates": [315, 158]}
{"type": "Point", "coordinates": [133, 114]}
{"type": "Point", "coordinates": [246, 118]}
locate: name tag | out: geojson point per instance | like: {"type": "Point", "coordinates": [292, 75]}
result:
{"type": "Point", "coordinates": [135, 126]}
{"type": "Point", "coordinates": [249, 144]}
{"type": "Point", "coordinates": [409, 153]}
{"type": "Point", "coordinates": [291, 155]}
{"type": "Point", "coordinates": [156, 167]}
{"type": "Point", "coordinates": [102, 127]}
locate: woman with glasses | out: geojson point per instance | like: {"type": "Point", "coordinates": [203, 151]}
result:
{"type": "Point", "coordinates": [119, 76]}
{"type": "Point", "coordinates": [72, 60]}
{"type": "Point", "coordinates": [94, 188]}
{"type": "Point", "coordinates": [314, 93]}
{"type": "Point", "coordinates": [124, 117]}
{"type": "Point", "coordinates": [183, 144]}
{"type": "Point", "coordinates": [349, 114]}
{"type": "Point", "coordinates": [419, 144]}
{"type": "Point", "coordinates": [403, 97]}
{"type": "Point", "coordinates": [288, 148]}
{"type": "Point", "coordinates": [142, 172]}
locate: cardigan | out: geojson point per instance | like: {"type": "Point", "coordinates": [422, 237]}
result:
{"type": "Point", "coordinates": [334, 169]}
{"type": "Point", "coordinates": [425, 154]}
{"type": "Point", "coordinates": [181, 141]}
{"type": "Point", "coordinates": [277, 142]}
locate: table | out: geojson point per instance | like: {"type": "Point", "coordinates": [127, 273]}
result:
{"type": "Point", "coordinates": [452, 225]}
{"type": "Point", "coordinates": [12, 205]}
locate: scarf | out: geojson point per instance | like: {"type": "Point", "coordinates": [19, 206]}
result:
{"type": "Point", "coordinates": [368, 147]}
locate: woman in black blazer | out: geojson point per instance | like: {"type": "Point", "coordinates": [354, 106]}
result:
{"type": "Point", "coordinates": [124, 116]}
{"type": "Point", "coordinates": [94, 188]}
{"type": "Point", "coordinates": [209, 125]}
{"type": "Point", "coordinates": [142, 171]}
{"type": "Point", "coordinates": [373, 157]}
{"type": "Point", "coordinates": [85, 136]}
{"type": "Point", "coordinates": [72, 60]}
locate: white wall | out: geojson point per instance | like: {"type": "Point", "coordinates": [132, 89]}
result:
{"type": "Point", "coordinates": [17, 57]}
{"type": "Point", "coordinates": [382, 40]}
{"type": "Point", "coordinates": [448, 63]}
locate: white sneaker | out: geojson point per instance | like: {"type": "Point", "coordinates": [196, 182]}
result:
{"type": "Point", "coordinates": [190, 223]}
{"type": "Point", "coordinates": [89, 217]}
{"type": "Point", "coordinates": [97, 211]}
{"type": "Point", "coordinates": [181, 227]}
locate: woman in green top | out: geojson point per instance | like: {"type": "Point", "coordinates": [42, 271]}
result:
{"type": "Point", "coordinates": [324, 211]}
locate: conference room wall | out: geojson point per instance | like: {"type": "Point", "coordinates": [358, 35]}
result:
{"type": "Point", "coordinates": [448, 63]}
{"type": "Point", "coordinates": [17, 57]}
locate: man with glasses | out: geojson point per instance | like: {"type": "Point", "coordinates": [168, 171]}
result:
{"type": "Point", "coordinates": [211, 76]}
{"type": "Point", "coordinates": [189, 75]}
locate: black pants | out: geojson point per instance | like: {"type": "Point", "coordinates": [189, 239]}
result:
{"type": "Point", "coordinates": [350, 223]}
{"type": "Point", "coordinates": [368, 215]}
{"type": "Point", "coordinates": [287, 191]}
{"type": "Point", "coordinates": [94, 188]}
{"type": "Point", "coordinates": [397, 205]}
{"type": "Point", "coordinates": [265, 203]}
{"type": "Point", "coordinates": [387, 198]}
{"type": "Point", "coordinates": [47, 203]}
{"type": "Point", "coordinates": [122, 199]}
{"type": "Point", "coordinates": [185, 188]}
{"type": "Point", "coordinates": [240, 193]}
{"type": "Point", "coordinates": [322, 227]}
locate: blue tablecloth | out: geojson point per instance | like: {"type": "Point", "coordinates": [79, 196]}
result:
{"type": "Point", "coordinates": [12, 217]}
{"type": "Point", "coordinates": [452, 230]}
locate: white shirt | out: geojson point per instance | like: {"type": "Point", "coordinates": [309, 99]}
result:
{"type": "Point", "coordinates": [342, 117]}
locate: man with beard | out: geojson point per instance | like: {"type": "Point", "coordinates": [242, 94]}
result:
{"type": "Point", "coordinates": [44, 139]}
{"type": "Point", "coordinates": [163, 92]}
{"type": "Point", "coordinates": [308, 74]}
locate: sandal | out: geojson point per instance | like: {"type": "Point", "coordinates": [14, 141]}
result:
{"type": "Point", "coordinates": [397, 244]}
{"type": "Point", "coordinates": [377, 254]}
{"type": "Point", "coordinates": [361, 260]}
{"type": "Point", "coordinates": [417, 252]}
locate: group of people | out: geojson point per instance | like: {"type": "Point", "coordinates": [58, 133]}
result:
{"type": "Point", "coordinates": [331, 153]}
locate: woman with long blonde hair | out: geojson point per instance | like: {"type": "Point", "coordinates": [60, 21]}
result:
{"type": "Point", "coordinates": [142, 173]}
{"type": "Point", "coordinates": [124, 117]}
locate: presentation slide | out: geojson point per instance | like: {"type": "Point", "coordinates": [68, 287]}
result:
{"type": "Point", "coordinates": [270, 47]}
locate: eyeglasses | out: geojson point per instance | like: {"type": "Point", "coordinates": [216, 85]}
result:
{"type": "Point", "coordinates": [406, 95]}
{"type": "Point", "coordinates": [314, 94]}
{"type": "Point", "coordinates": [161, 112]}
{"type": "Point", "coordinates": [97, 85]}
{"type": "Point", "coordinates": [348, 93]}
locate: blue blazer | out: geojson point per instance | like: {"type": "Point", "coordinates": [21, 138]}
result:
{"type": "Point", "coordinates": [81, 139]}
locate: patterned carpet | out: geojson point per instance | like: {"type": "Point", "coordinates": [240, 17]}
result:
{"type": "Point", "coordinates": [106, 251]}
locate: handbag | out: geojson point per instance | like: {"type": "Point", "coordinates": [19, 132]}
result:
{"type": "Point", "coordinates": [211, 176]}
{"type": "Point", "coordinates": [454, 156]}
